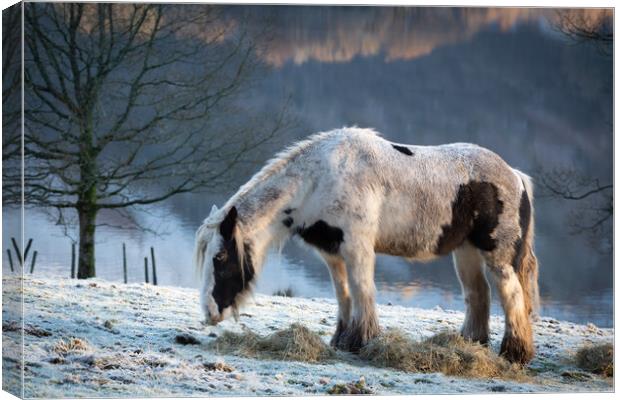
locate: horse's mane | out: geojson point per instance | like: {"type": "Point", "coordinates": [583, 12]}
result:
{"type": "Point", "coordinates": [281, 159]}
{"type": "Point", "coordinates": [275, 165]}
{"type": "Point", "coordinates": [272, 167]}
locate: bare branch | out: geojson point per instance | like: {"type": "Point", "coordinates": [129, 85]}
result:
{"type": "Point", "coordinates": [593, 212]}
{"type": "Point", "coordinates": [589, 28]}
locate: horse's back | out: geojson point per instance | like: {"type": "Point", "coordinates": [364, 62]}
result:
{"type": "Point", "coordinates": [422, 200]}
{"type": "Point", "coordinates": [349, 150]}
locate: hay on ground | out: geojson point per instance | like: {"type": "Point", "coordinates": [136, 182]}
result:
{"type": "Point", "coordinates": [296, 343]}
{"type": "Point", "coordinates": [598, 359]}
{"type": "Point", "coordinates": [72, 345]}
{"type": "Point", "coordinates": [445, 352]}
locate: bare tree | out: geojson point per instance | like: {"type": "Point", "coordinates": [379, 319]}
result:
{"type": "Point", "coordinates": [122, 102]}
{"type": "Point", "coordinates": [593, 27]}
{"type": "Point", "coordinates": [593, 213]}
{"type": "Point", "coordinates": [11, 88]}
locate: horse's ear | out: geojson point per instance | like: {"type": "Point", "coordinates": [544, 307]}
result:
{"type": "Point", "coordinates": [213, 210]}
{"type": "Point", "coordinates": [227, 227]}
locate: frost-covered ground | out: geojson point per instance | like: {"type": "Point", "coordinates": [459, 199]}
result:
{"type": "Point", "coordinates": [127, 346]}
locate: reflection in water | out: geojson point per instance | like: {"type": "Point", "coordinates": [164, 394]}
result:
{"type": "Point", "coordinates": [399, 282]}
{"type": "Point", "coordinates": [339, 34]}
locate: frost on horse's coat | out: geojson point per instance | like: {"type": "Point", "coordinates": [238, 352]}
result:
{"type": "Point", "coordinates": [350, 194]}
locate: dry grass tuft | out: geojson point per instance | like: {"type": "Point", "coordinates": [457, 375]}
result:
{"type": "Point", "coordinates": [598, 359]}
{"type": "Point", "coordinates": [296, 343]}
{"type": "Point", "coordinates": [218, 366]}
{"type": "Point", "coordinates": [446, 352]}
{"type": "Point", "coordinates": [358, 387]}
{"type": "Point", "coordinates": [107, 362]}
{"type": "Point", "coordinates": [73, 345]}
{"type": "Point", "coordinates": [14, 326]}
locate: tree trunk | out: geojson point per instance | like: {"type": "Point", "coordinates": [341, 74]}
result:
{"type": "Point", "coordinates": [86, 262]}
{"type": "Point", "coordinates": [87, 199]}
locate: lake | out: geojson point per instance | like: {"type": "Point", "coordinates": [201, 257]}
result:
{"type": "Point", "coordinates": [425, 285]}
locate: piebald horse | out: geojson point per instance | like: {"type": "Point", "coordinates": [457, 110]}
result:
{"type": "Point", "coordinates": [350, 194]}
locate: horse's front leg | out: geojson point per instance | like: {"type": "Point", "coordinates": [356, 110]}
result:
{"type": "Point", "coordinates": [338, 273]}
{"type": "Point", "coordinates": [363, 325]}
{"type": "Point", "coordinates": [204, 303]}
{"type": "Point", "coordinates": [207, 306]}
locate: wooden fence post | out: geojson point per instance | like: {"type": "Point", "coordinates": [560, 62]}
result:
{"type": "Point", "coordinates": [8, 252]}
{"type": "Point", "coordinates": [34, 259]}
{"type": "Point", "coordinates": [124, 263]}
{"type": "Point", "coordinates": [73, 260]}
{"type": "Point", "coordinates": [27, 249]}
{"type": "Point", "coordinates": [146, 269]}
{"type": "Point", "coordinates": [17, 252]}
{"type": "Point", "coordinates": [153, 265]}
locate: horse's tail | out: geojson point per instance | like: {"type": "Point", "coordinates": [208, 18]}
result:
{"type": "Point", "coordinates": [199, 249]}
{"type": "Point", "coordinates": [527, 263]}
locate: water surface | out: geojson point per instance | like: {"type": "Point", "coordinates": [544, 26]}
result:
{"type": "Point", "coordinates": [425, 285]}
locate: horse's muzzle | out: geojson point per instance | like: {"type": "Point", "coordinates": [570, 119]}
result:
{"type": "Point", "coordinates": [211, 320]}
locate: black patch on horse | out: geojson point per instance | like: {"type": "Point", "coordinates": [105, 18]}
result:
{"type": "Point", "coordinates": [403, 149]}
{"type": "Point", "coordinates": [230, 277]}
{"type": "Point", "coordinates": [323, 236]}
{"type": "Point", "coordinates": [288, 211]}
{"type": "Point", "coordinates": [525, 212]}
{"type": "Point", "coordinates": [475, 215]}
{"type": "Point", "coordinates": [288, 222]}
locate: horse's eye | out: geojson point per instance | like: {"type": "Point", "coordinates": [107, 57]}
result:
{"type": "Point", "coordinates": [221, 257]}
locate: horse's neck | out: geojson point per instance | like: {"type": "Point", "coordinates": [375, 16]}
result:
{"type": "Point", "coordinates": [261, 209]}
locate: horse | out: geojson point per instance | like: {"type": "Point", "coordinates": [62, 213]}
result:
{"type": "Point", "coordinates": [350, 194]}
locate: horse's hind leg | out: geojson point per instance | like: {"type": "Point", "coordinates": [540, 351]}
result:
{"type": "Point", "coordinates": [338, 273]}
{"type": "Point", "coordinates": [517, 345]}
{"type": "Point", "coordinates": [363, 324]}
{"type": "Point", "coordinates": [469, 266]}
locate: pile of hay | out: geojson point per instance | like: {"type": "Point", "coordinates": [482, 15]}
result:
{"type": "Point", "coordinates": [598, 359]}
{"type": "Point", "coordinates": [296, 343]}
{"type": "Point", "coordinates": [445, 352]}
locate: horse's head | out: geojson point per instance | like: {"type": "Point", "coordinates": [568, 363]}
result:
{"type": "Point", "coordinates": [226, 265]}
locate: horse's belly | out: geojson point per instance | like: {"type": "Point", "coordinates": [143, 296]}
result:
{"type": "Point", "coordinates": [411, 228]}
{"type": "Point", "coordinates": [407, 249]}
{"type": "Point", "coordinates": [408, 239]}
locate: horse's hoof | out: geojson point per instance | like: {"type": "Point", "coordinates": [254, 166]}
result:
{"type": "Point", "coordinates": [351, 341]}
{"type": "Point", "coordinates": [517, 350]}
{"type": "Point", "coordinates": [340, 342]}
{"type": "Point", "coordinates": [483, 340]}
{"type": "Point", "coordinates": [339, 345]}
{"type": "Point", "coordinates": [335, 342]}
